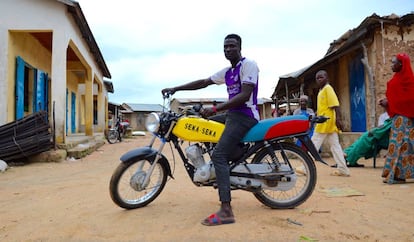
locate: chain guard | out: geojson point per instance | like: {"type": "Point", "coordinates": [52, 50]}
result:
{"type": "Point", "coordinates": [277, 181]}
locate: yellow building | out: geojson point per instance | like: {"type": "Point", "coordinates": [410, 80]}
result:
{"type": "Point", "coordinates": [49, 60]}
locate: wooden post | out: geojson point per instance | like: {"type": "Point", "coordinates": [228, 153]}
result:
{"type": "Point", "coordinates": [287, 97]}
{"type": "Point", "coordinates": [371, 82]}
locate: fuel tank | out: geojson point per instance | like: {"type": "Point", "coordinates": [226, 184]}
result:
{"type": "Point", "coordinates": [198, 129]}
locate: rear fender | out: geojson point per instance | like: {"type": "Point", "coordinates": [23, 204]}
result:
{"type": "Point", "coordinates": [307, 142]}
{"type": "Point", "coordinates": [148, 154]}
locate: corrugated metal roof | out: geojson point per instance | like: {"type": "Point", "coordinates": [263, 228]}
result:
{"type": "Point", "coordinates": [295, 74]}
{"type": "Point", "coordinates": [115, 104]}
{"type": "Point", "coordinates": [198, 100]}
{"type": "Point", "coordinates": [138, 107]}
{"type": "Point", "coordinates": [219, 100]}
{"type": "Point", "coordinates": [109, 86]}
{"type": "Point", "coordinates": [339, 47]}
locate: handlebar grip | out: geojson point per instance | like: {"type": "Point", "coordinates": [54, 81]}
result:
{"type": "Point", "coordinates": [319, 119]}
{"type": "Point", "coordinates": [167, 94]}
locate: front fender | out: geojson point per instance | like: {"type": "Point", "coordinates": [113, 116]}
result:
{"type": "Point", "coordinates": [148, 154]}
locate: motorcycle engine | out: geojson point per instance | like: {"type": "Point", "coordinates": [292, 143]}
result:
{"type": "Point", "coordinates": [204, 173]}
{"type": "Point", "coordinates": [195, 155]}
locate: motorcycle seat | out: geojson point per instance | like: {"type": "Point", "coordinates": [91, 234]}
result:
{"type": "Point", "coordinates": [277, 127]}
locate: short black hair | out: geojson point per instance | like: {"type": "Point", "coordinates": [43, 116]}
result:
{"type": "Point", "coordinates": [234, 36]}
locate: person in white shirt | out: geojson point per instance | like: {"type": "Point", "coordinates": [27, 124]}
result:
{"type": "Point", "coordinates": [384, 116]}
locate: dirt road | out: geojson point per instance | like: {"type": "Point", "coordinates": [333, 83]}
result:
{"type": "Point", "coordinates": [69, 201]}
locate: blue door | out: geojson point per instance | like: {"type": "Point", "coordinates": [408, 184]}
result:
{"type": "Point", "coordinates": [73, 113]}
{"type": "Point", "coordinates": [26, 101]}
{"type": "Point", "coordinates": [67, 111]}
{"type": "Point", "coordinates": [20, 64]}
{"type": "Point", "coordinates": [357, 91]}
{"type": "Point", "coordinates": [41, 91]}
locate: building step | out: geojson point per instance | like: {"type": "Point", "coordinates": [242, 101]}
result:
{"type": "Point", "coordinates": [83, 149]}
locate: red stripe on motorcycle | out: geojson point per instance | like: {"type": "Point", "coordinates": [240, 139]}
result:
{"type": "Point", "coordinates": [288, 127]}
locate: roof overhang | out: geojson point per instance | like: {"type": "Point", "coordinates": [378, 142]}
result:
{"type": "Point", "coordinates": [348, 42]}
{"type": "Point", "coordinates": [80, 20]}
{"type": "Point", "coordinates": [109, 86]}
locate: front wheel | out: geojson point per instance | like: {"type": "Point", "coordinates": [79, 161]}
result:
{"type": "Point", "coordinates": [129, 186]}
{"type": "Point", "coordinates": [303, 178]}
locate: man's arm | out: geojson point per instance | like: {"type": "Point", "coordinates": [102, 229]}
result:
{"type": "Point", "coordinates": [236, 101]}
{"type": "Point", "coordinates": [296, 112]}
{"type": "Point", "coordinates": [338, 117]}
{"type": "Point", "coordinates": [310, 112]}
{"type": "Point", "coordinates": [194, 85]}
{"type": "Point", "coordinates": [239, 99]}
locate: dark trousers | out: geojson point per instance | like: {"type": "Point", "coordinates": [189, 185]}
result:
{"type": "Point", "coordinates": [237, 125]}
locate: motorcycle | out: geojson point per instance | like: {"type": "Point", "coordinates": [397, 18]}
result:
{"type": "Point", "coordinates": [116, 133]}
{"type": "Point", "coordinates": [267, 162]}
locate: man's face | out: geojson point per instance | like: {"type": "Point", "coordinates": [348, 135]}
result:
{"type": "Point", "coordinates": [303, 103]}
{"type": "Point", "coordinates": [321, 78]}
{"type": "Point", "coordinates": [395, 64]}
{"type": "Point", "coordinates": [231, 49]}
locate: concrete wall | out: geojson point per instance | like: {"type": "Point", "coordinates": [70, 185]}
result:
{"type": "Point", "coordinates": [39, 57]}
{"type": "Point", "coordinates": [384, 45]}
{"type": "Point", "coordinates": [20, 17]}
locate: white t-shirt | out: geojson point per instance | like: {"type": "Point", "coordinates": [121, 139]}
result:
{"type": "Point", "coordinates": [246, 71]}
{"type": "Point", "coordinates": [249, 72]}
{"type": "Point", "coordinates": [384, 116]}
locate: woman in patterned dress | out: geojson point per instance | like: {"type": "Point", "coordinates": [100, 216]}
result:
{"type": "Point", "coordinates": [399, 103]}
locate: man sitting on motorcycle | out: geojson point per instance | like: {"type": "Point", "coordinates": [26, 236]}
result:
{"type": "Point", "coordinates": [241, 79]}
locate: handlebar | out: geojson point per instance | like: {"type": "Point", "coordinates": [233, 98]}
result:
{"type": "Point", "coordinates": [167, 95]}
{"type": "Point", "coordinates": [318, 119]}
{"type": "Point", "coordinates": [194, 110]}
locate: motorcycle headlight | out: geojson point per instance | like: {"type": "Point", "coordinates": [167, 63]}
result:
{"type": "Point", "coordinates": [152, 123]}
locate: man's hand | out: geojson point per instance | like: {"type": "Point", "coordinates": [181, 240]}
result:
{"type": "Point", "coordinates": [207, 112]}
{"type": "Point", "coordinates": [338, 118]}
{"type": "Point", "coordinates": [339, 124]}
{"type": "Point", "coordinates": [168, 91]}
{"type": "Point", "coordinates": [383, 102]}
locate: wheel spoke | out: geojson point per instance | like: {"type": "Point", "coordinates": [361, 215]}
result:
{"type": "Point", "coordinates": [299, 188]}
{"type": "Point", "coordinates": [128, 189]}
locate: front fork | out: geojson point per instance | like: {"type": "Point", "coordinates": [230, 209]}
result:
{"type": "Point", "coordinates": [151, 169]}
{"type": "Point", "coordinates": [158, 156]}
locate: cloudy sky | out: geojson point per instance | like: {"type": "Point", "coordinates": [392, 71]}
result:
{"type": "Point", "coordinates": [149, 45]}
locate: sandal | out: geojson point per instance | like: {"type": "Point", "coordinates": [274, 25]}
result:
{"type": "Point", "coordinates": [395, 181]}
{"type": "Point", "coordinates": [339, 173]}
{"type": "Point", "coordinates": [214, 220]}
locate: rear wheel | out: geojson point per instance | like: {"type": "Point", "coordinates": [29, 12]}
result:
{"type": "Point", "coordinates": [112, 136]}
{"type": "Point", "coordinates": [288, 194]}
{"type": "Point", "coordinates": [128, 186]}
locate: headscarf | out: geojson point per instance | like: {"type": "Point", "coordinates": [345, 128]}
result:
{"type": "Point", "coordinates": [400, 89]}
{"type": "Point", "coordinates": [304, 97]}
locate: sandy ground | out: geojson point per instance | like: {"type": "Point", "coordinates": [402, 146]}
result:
{"type": "Point", "coordinates": [69, 201]}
